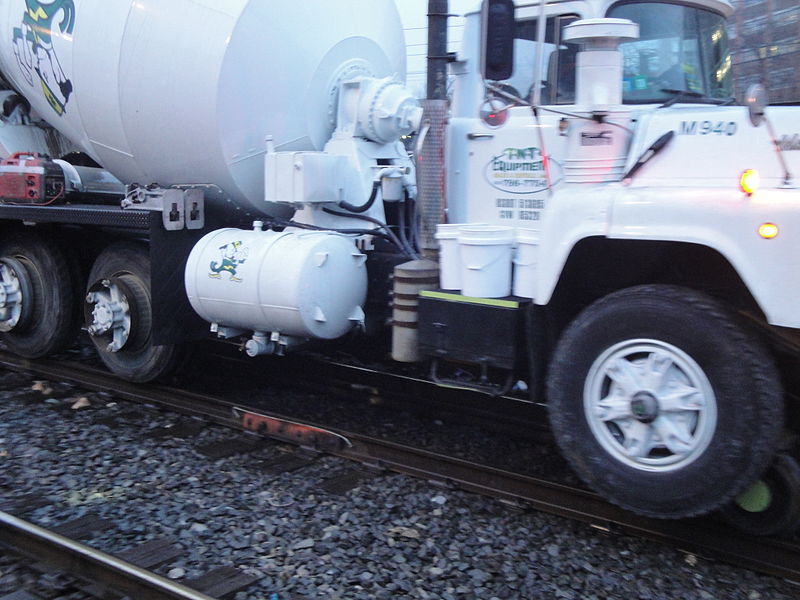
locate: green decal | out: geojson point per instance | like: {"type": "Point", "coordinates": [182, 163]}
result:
{"type": "Point", "coordinates": [521, 171]}
{"type": "Point", "coordinates": [36, 56]}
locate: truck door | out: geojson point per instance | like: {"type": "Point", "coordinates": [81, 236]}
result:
{"type": "Point", "coordinates": [497, 172]}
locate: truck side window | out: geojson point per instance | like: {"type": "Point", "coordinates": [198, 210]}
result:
{"type": "Point", "coordinates": [558, 77]}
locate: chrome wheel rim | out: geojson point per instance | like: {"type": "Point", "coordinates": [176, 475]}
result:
{"type": "Point", "coordinates": [12, 296]}
{"type": "Point", "coordinates": [650, 405]}
{"type": "Point", "coordinates": [110, 313]}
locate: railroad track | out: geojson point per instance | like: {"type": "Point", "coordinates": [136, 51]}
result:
{"type": "Point", "coordinates": [704, 537]}
{"type": "Point", "coordinates": [515, 415]}
{"type": "Point", "coordinates": [105, 572]}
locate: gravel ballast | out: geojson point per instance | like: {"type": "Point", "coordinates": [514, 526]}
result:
{"type": "Point", "coordinates": [391, 537]}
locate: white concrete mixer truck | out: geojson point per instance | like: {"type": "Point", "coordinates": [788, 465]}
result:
{"type": "Point", "coordinates": [586, 213]}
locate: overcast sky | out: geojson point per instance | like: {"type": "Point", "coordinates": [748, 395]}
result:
{"type": "Point", "coordinates": [414, 14]}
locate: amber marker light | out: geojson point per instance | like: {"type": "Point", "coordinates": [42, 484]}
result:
{"type": "Point", "coordinates": [768, 231]}
{"type": "Point", "coordinates": [750, 181]}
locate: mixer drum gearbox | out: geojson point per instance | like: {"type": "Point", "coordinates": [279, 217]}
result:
{"type": "Point", "coordinates": [300, 284]}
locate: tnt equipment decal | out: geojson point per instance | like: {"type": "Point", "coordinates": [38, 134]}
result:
{"type": "Point", "coordinates": [232, 254]}
{"type": "Point", "coordinates": [518, 171]}
{"type": "Point", "coordinates": [36, 56]}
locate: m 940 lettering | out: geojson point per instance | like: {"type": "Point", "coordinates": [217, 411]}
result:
{"type": "Point", "coordinates": [709, 128]}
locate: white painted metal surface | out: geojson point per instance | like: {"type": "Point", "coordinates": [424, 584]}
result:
{"type": "Point", "coordinates": [304, 284]}
{"type": "Point", "coordinates": [185, 91]}
{"type": "Point", "coordinates": [304, 177]}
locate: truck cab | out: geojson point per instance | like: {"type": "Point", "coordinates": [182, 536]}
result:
{"type": "Point", "coordinates": [564, 168]}
{"type": "Point", "coordinates": [681, 54]}
{"type": "Point", "coordinates": [623, 157]}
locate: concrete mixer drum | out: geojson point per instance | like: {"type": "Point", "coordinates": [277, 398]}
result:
{"type": "Point", "coordinates": [186, 91]}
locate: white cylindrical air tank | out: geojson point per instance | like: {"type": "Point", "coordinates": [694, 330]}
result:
{"type": "Point", "coordinates": [186, 91]}
{"type": "Point", "coordinates": [303, 284]}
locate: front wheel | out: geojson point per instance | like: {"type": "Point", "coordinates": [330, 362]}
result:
{"type": "Point", "coordinates": [663, 403]}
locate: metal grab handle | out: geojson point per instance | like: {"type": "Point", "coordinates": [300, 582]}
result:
{"type": "Point", "coordinates": [480, 136]}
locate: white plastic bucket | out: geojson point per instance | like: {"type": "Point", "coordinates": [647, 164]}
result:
{"type": "Point", "coordinates": [525, 263]}
{"type": "Point", "coordinates": [485, 252]}
{"type": "Point", "coordinates": [449, 260]}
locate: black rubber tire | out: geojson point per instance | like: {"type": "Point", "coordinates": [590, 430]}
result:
{"type": "Point", "coordinates": [741, 373]}
{"type": "Point", "coordinates": [142, 362]}
{"type": "Point", "coordinates": [782, 515]}
{"type": "Point", "coordinates": [51, 324]}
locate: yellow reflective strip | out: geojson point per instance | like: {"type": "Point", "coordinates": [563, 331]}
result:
{"type": "Point", "coordinates": [470, 299]}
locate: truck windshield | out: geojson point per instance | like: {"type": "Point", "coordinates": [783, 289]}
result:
{"type": "Point", "coordinates": [680, 49]}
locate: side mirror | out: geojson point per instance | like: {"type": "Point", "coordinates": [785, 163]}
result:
{"type": "Point", "coordinates": [497, 39]}
{"type": "Point", "coordinates": [756, 100]}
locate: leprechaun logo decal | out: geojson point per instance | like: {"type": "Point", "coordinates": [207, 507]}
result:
{"type": "Point", "coordinates": [36, 55]}
{"type": "Point", "coordinates": [233, 255]}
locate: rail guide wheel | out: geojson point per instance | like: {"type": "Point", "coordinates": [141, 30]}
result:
{"type": "Point", "coordinates": [771, 506]}
{"type": "Point", "coordinates": [118, 314]}
{"type": "Point", "coordinates": [38, 314]}
{"type": "Point", "coordinates": [664, 403]}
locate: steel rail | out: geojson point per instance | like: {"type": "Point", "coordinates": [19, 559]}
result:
{"type": "Point", "coordinates": [89, 564]}
{"type": "Point", "coordinates": [511, 414]}
{"type": "Point", "coordinates": [704, 537]}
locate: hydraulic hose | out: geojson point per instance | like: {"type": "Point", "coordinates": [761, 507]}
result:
{"type": "Point", "coordinates": [364, 207]}
{"type": "Point", "coordinates": [395, 240]}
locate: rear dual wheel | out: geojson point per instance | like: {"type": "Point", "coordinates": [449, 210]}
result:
{"type": "Point", "coordinates": [118, 315]}
{"type": "Point", "coordinates": [663, 403]}
{"type": "Point", "coordinates": [38, 313]}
